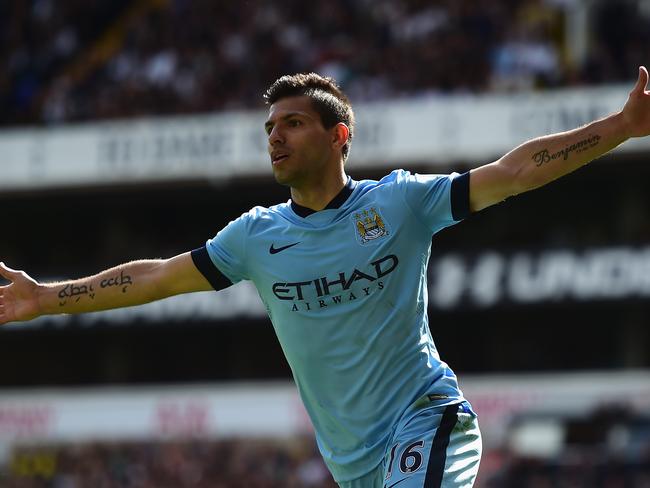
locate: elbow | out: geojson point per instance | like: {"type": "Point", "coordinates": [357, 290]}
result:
{"type": "Point", "coordinates": [526, 177]}
{"type": "Point", "coordinates": [519, 178]}
{"type": "Point", "coordinates": [157, 284]}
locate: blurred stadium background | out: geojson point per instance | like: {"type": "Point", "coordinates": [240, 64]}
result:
{"type": "Point", "coordinates": [133, 128]}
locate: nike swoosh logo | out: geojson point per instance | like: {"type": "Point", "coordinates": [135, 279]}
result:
{"type": "Point", "coordinates": [396, 483]}
{"type": "Point", "coordinates": [275, 250]}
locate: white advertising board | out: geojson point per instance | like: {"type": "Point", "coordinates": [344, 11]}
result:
{"type": "Point", "coordinates": [256, 410]}
{"type": "Point", "coordinates": [275, 410]}
{"type": "Point", "coordinates": [434, 130]}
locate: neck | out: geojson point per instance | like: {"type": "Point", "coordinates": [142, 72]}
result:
{"type": "Point", "coordinates": [318, 194]}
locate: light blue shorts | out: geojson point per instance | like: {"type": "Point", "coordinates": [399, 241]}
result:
{"type": "Point", "coordinates": [436, 447]}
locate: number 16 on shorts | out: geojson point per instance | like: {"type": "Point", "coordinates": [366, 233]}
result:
{"type": "Point", "coordinates": [410, 459]}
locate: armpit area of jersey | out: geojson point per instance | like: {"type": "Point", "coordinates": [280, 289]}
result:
{"type": "Point", "coordinates": [207, 268]}
{"type": "Point", "coordinates": [460, 197]}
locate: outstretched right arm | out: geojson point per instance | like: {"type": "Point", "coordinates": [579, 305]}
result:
{"type": "Point", "coordinates": [125, 285]}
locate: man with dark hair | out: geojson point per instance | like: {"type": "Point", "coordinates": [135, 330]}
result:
{"type": "Point", "coordinates": [341, 268]}
{"type": "Point", "coordinates": [327, 99]}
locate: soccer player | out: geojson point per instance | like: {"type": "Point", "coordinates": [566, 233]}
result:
{"type": "Point", "coordinates": [341, 268]}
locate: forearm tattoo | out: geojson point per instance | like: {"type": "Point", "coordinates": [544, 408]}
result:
{"type": "Point", "coordinates": [77, 292]}
{"type": "Point", "coordinates": [544, 156]}
{"type": "Point", "coordinates": [123, 280]}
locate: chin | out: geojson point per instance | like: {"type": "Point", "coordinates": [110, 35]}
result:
{"type": "Point", "coordinates": [282, 179]}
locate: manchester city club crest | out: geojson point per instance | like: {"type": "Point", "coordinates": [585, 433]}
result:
{"type": "Point", "coordinates": [369, 225]}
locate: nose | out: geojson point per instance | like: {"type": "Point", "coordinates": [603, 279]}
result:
{"type": "Point", "coordinates": [275, 136]}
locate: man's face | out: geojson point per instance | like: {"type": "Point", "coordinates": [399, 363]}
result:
{"type": "Point", "coordinates": [300, 147]}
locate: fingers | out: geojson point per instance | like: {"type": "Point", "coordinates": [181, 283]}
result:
{"type": "Point", "coordinates": [7, 272]}
{"type": "Point", "coordinates": [6, 308]}
{"type": "Point", "coordinates": [3, 316]}
{"type": "Point", "coordinates": [642, 82]}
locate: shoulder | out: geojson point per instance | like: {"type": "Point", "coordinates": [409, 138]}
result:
{"type": "Point", "coordinates": [389, 187]}
{"type": "Point", "coordinates": [261, 217]}
{"type": "Point", "coordinates": [263, 213]}
{"type": "Point", "coordinates": [404, 181]}
{"type": "Point", "coordinates": [405, 177]}
{"type": "Point", "coordinates": [395, 177]}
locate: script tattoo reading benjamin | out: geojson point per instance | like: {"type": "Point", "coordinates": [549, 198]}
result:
{"type": "Point", "coordinates": [544, 156]}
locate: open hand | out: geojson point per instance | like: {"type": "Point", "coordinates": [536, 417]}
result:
{"type": "Point", "coordinates": [18, 299]}
{"type": "Point", "coordinates": [636, 111]}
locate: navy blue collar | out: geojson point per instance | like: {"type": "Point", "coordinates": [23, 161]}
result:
{"type": "Point", "coordinates": [336, 202]}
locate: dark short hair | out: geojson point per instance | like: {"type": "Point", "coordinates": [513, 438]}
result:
{"type": "Point", "coordinates": [326, 96]}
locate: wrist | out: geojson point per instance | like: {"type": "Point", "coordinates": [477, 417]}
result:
{"type": "Point", "coordinates": [42, 299]}
{"type": "Point", "coordinates": [622, 126]}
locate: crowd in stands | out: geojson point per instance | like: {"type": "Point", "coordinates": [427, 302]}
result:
{"type": "Point", "coordinates": [73, 60]}
{"type": "Point", "coordinates": [584, 472]}
{"type": "Point", "coordinates": [607, 448]}
{"type": "Point", "coordinates": [38, 41]}
{"type": "Point", "coordinates": [233, 463]}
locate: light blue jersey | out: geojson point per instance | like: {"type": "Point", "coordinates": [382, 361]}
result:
{"type": "Point", "coordinates": [346, 291]}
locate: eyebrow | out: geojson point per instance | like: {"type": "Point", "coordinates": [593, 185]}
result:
{"type": "Point", "coordinates": [269, 123]}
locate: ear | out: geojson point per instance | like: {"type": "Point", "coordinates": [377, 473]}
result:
{"type": "Point", "coordinates": [340, 134]}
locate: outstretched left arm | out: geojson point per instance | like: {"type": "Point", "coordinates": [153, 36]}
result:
{"type": "Point", "coordinates": [542, 160]}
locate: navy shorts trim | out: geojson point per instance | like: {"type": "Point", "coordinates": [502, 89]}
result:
{"type": "Point", "coordinates": [438, 454]}
{"type": "Point", "coordinates": [204, 264]}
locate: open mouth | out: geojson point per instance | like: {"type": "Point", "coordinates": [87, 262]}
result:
{"type": "Point", "coordinates": [279, 158]}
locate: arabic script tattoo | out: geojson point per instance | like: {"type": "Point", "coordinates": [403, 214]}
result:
{"type": "Point", "coordinates": [75, 291]}
{"type": "Point", "coordinates": [123, 280]}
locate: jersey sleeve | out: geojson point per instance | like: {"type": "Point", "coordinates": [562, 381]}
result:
{"type": "Point", "coordinates": [223, 258]}
{"type": "Point", "coordinates": [438, 201]}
